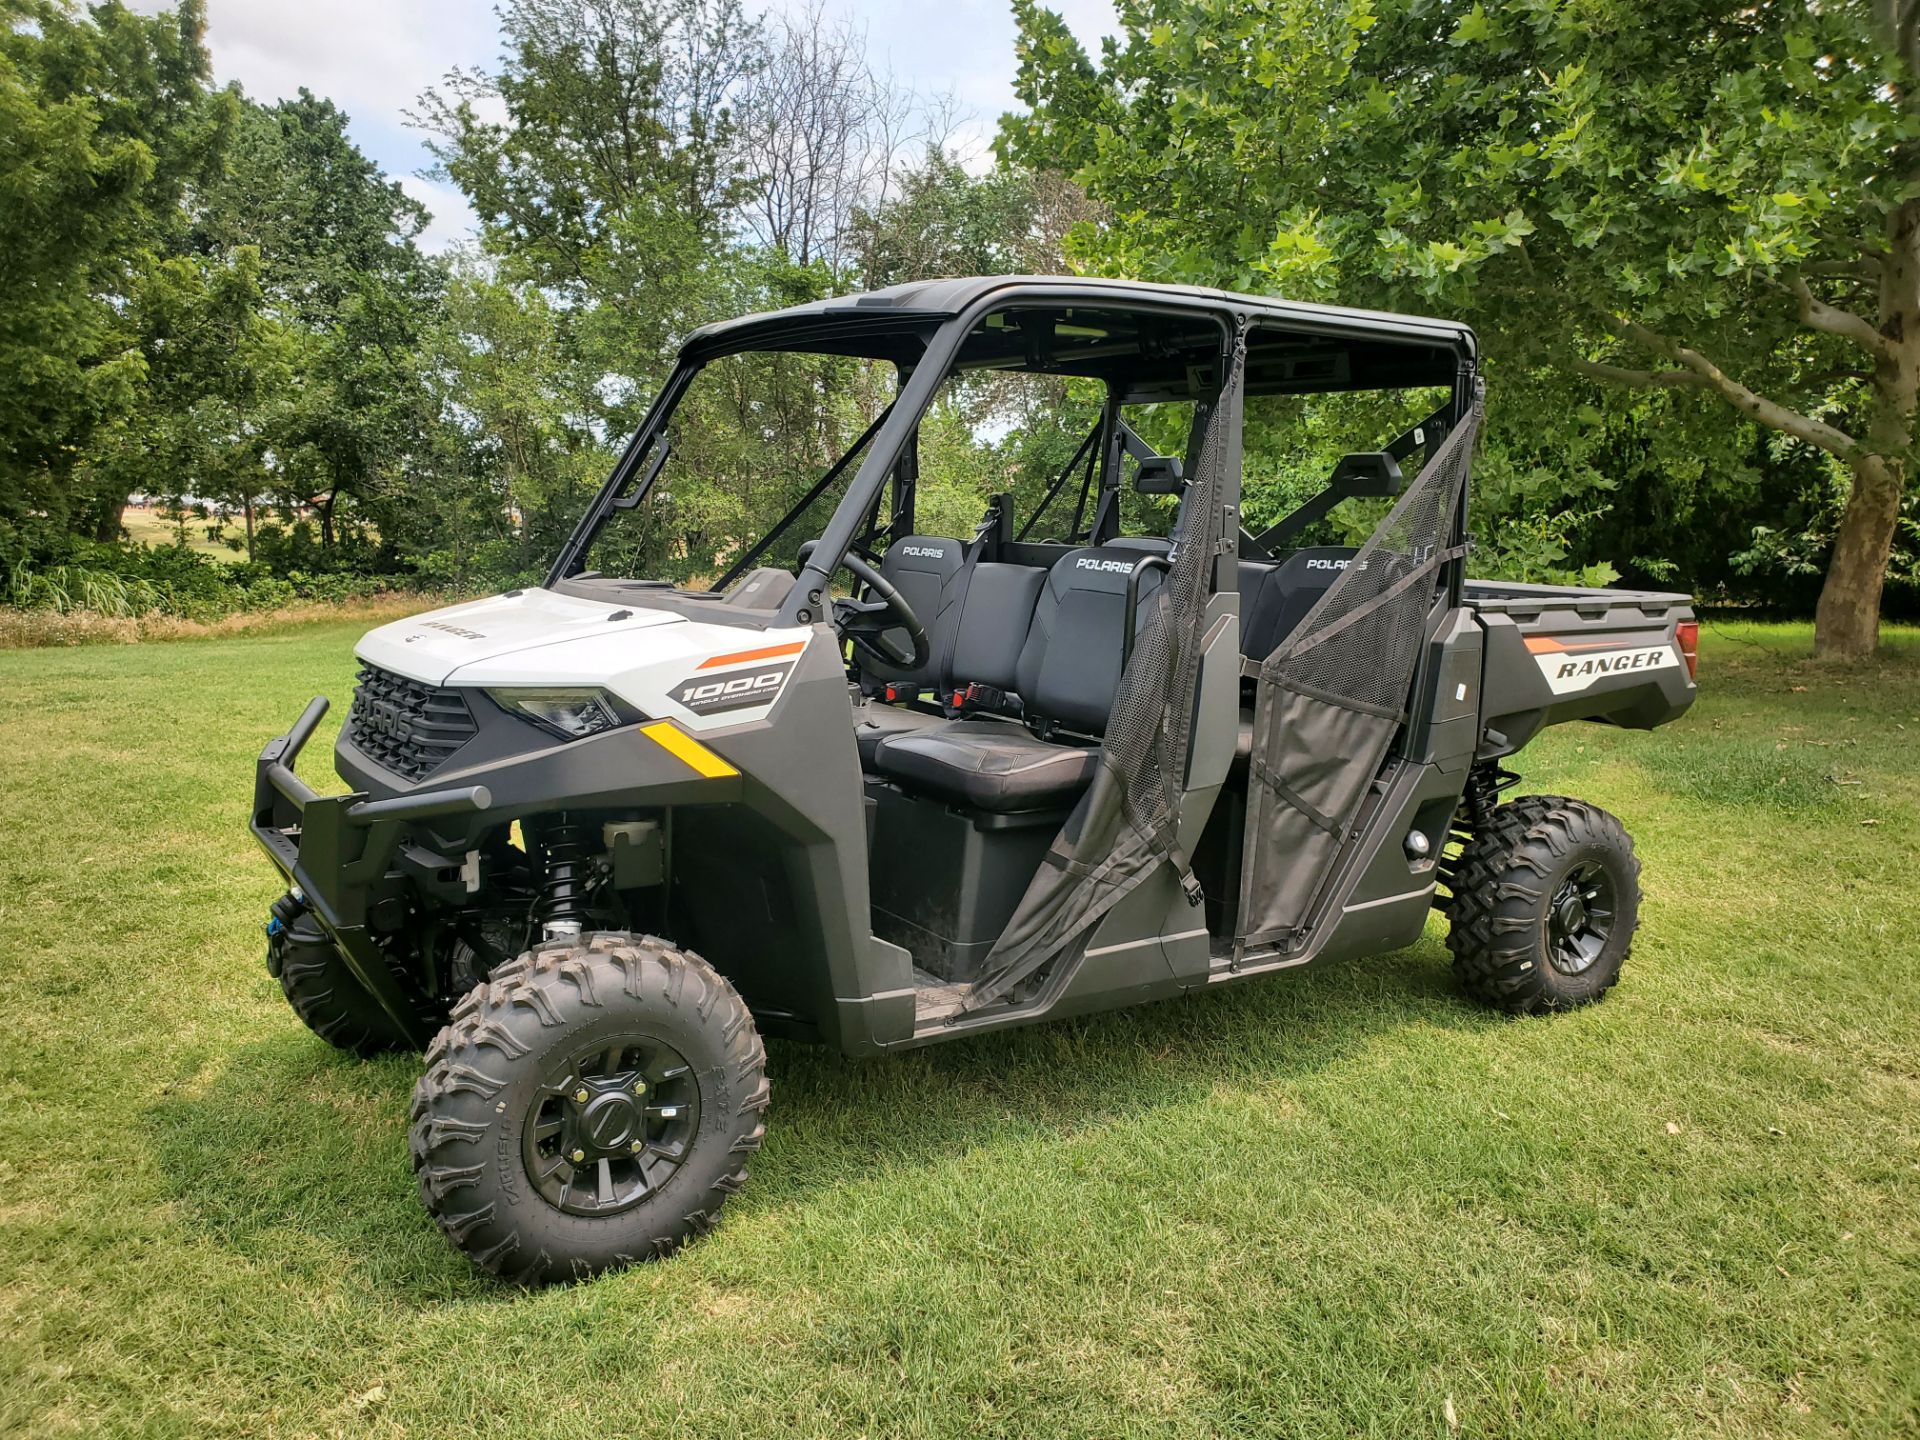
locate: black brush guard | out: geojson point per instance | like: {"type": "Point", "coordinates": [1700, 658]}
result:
{"type": "Point", "coordinates": [335, 848]}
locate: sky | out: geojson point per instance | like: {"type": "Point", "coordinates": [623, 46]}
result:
{"type": "Point", "coordinates": [374, 57]}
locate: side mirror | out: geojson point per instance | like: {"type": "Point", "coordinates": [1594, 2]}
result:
{"type": "Point", "coordinates": [1367, 473]}
{"type": "Point", "coordinates": [1160, 475]}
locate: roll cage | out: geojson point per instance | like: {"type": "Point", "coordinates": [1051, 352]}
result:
{"type": "Point", "coordinates": [933, 330]}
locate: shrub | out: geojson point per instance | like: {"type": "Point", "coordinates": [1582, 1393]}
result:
{"type": "Point", "coordinates": [123, 581]}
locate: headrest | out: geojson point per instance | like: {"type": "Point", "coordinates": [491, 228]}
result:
{"type": "Point", "coordinates": [1094, 567]}
{"type": "Point", "coordinates": [924, 552]}
{"type": "Point", "coordinates": [1316, 567]}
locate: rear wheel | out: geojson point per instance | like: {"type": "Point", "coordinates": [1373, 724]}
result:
{"type": "Point", "coordinates": [1545, 901]}
{"type": "Point", "coordinates": [593, 1104]}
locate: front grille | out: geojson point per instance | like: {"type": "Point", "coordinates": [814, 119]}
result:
{"type": "Point", "coordinates": [404, 726]}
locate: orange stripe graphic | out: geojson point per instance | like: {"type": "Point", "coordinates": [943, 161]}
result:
{"type": "Point", "coordinates": [772, 652]}
{"type": "Point", "coordinates": [1547, 645]}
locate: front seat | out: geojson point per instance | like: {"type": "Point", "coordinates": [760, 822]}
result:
{"type": "Point", "coordinates": [980, 642]}
{"type": "Point", "coordinates": [930, 572]}
{"type": "Point", "coordinates": [987, 763]}
{"type": "Point", "coordinates": [1066, 674]}
{"type": "Point", "coordinates": [926, 570]}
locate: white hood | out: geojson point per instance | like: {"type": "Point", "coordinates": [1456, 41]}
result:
{"type": "Point", "coordinates": [430, 647]}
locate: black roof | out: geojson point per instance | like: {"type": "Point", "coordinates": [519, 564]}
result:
{"type": "Point", "coordinates": [941, 299]}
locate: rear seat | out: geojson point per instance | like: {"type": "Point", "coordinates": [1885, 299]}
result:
{"type": "Point", "coordinates": [1061, 653]}
{"type": "Point", "coordinates": [1275, 599]}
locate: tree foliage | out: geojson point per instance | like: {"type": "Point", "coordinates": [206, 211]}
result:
{"type": "Point", "coordinates": [109, 122]}
{"type": "Point", "coordinates": [600, 159]}
{"type": "Point", "coordinates": [1710, 199]}
{"type": "Point", "coordinates": [1688, 232]}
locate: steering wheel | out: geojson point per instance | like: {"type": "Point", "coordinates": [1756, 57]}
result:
{"type": "Point", "coordinates": [870, 623]}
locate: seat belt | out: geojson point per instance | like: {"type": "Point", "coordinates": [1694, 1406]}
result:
{"type": "Point", "coordinates": [991, 523]}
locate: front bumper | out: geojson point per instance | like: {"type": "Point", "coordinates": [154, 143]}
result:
{"type": "Point", "coordinates": [335, 849]}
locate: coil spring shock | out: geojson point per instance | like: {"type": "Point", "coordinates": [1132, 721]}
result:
{"type": "Point", "coordinates": [1485, 783]}
{"type": "Point", "coordinates": [566, 878]}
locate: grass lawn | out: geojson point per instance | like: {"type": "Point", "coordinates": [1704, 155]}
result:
{"type": "Point", "coordinates": [150, 527]}
{"type": "Point", "coordinates": [1343, 1203]}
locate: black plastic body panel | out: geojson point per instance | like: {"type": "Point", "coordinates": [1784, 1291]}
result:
{"type": "Point", "coordinates": [945, 882]}
{"type": "Point", "coordinates": [786, 842]}
{"type": "Point", "coordinates": [1534, 630]}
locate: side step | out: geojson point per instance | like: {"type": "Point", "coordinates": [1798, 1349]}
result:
{"type": "Point", "coordinates": [935, 1001]}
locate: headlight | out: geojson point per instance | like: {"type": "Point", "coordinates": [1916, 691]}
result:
{"type": "Point", "coordinates": [570, 714]}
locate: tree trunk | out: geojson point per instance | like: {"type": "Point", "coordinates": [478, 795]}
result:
{"type": "Point", "coordinates": [326, 519]}
{"type": "Point", "coordinates": [1846, 624]}
{"type": "Point", "coordinates": [248, 506]}
{"type": "Point", "coordinates": [112, 516]}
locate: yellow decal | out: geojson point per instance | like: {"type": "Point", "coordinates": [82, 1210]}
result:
{"type": "Point", "coordinates": [684, 747]}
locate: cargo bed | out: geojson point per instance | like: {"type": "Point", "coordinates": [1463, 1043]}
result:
{"type": "Point", "coordinates": [1563, 652]}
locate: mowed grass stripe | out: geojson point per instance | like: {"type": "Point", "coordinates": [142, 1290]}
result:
{"type": "Point", "coordinates": [1330, 1204]}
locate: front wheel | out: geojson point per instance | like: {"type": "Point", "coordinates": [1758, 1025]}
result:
{"type": "Point", "coordinates": [1545, 902]}
{"type": "Point", "coordinates": [592, 1104]}
{"type": "Point", "coordinates": [322, 990]}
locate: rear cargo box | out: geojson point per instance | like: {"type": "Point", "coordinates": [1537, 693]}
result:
{"type": "Point", "coordinates": [1557, 652]}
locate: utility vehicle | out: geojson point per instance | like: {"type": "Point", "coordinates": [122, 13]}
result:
{"type": "Point", "coordinates": [606, 833]}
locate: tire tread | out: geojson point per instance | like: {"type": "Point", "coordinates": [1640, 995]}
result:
{"type": "Point", "coordinates": [1498, 886]}
{"type": "Point", "coordinates": [495, 1024]}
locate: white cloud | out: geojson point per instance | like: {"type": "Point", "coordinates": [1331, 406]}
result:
{"type": "Point", "coordinates": [372, 59]}
{"type": "Point", "coordinates": [371, 56]}
{"type": "Point", "coordinates": [453, 219]}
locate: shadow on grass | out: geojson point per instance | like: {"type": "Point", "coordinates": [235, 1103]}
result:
{"type": "Point", "coordinates": [296, 1155]}
{"type": "Point", "coordinates": [290, 1153]}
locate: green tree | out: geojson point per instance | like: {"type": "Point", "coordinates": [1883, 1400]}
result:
{"type": "Point", "coordinates": [622, 204]}
{"type": "Point", "coordinates": [350, 427]}
{"type": "Point", "coordinates": [522, 466]}
{"type": "Point", "coordinates": [209, 359]}
{"type": "Point", "coordinates": [940, 220]}
{"type": "Point", "coordinates": [599, 158]}
{"type": "Point", "coordinates": [109, 122]}
{"type": "Point", "coordinates": [1705, 198]}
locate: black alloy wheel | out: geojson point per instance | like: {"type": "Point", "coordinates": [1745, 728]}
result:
{"type": "Point", "coordinates": [1545, 899]}
{"type": "Point", "coordinates": [591, 1104]}
{"type": "Point", "coordinates": [610, 1124]}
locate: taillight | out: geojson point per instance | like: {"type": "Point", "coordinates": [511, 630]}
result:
{"type": "Point", "coordinates": [1687, 636]}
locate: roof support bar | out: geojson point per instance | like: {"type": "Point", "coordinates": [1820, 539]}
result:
{"type": "Point", "coordinates": [1083, 453]}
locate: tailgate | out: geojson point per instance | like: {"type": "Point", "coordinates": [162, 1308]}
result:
{"type": "Point", "coordinates": [1557, 652]}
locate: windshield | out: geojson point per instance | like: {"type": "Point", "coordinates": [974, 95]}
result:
{"type": "Point", "coordinates": [754, 439]}
{"type": "Point", "coordinates": [758, 449]}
